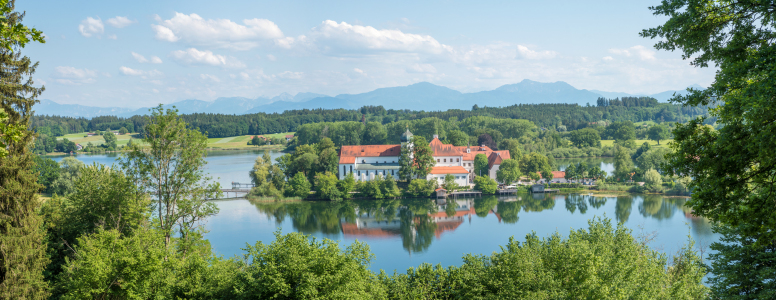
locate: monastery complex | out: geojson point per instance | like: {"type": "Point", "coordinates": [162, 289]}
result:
{"type": "Point", "coordinates": [367, 161]}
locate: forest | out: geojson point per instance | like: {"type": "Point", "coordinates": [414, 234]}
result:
{"type": "Point", "coordinates": [561, 117]}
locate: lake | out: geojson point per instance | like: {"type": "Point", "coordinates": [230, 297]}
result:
{"type": "Point", "coordinates": [405, 233]}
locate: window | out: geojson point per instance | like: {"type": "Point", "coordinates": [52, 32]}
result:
{"type": "Point", "coordinates": [392, 172]}
{"type": "Point", "coordinates": [351, 169]}
{"type": "Point", "coordinates": [359, 173]}
{"type": "Point", "coordinates": [457, 160]}
{"type": "Point", "coordinates": [445, 159]}
{"type": "Point", "coordinates": [363, 161]}
{"type": "Point", "coordinates": [437, 159]}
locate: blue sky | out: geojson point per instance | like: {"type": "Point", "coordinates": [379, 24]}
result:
{"type": "Point", "coordinates": [141, 53]}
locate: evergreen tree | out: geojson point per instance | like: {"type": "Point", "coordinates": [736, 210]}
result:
{"type": "Point", "coordinates": [22, 253]}
{"type": "Point", "coordinates": [406, 163]}
{"type": "Point", "coordinates": [423, 156]}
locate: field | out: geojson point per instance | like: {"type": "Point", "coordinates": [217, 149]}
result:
{"type": "Point", "coordinates": [227, 142]}
{"type": "Point", "coordinates": [240, 141]}
{"type": "Point", "coordinates": [663, 143]}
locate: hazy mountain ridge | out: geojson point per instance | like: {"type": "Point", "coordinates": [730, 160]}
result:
{"type": "Point", "coordinates": [420, 96]}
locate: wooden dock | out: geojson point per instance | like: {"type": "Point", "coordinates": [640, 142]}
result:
{"type": "Point", "coordinates": [465, 194]}
{"type": "Point", "coordinates": [235, 191]}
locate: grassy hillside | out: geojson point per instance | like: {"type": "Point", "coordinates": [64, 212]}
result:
{"type": "Point", "coordinates": [663, 143]}
{"type": "Point", "coordinates": [226, 142]}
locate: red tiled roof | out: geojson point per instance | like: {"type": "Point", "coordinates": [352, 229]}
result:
{"type": "Point", "coordinates": [440, 149]}
{"type": "Point", "coordinates": [448, 170]}
{"type": "Point", "coordinates": [289, 135]}
{"type": "Point", "coordinates": [348, 154]}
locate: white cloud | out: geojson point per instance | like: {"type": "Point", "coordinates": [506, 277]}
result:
{"type": "Point", "coordinates": [141, 59]}
{"type": "Point", "coordinates": [193, 56]}
{"type": "Point", "coordinates": [271, 57]}
{"type": "Point", "coordinates": [133, 72]}
{"type": "Point", "coordinates": [223, 33]}
{"type": "Point", "coordinates": [359, 71]}
{"type": "Point", "coordinates": [607, 58]}
{"type": "Point", "coordinates": [524, 53]}
{"type": "Point", "coordinates": [74, 76]}
{"type": "Point", "coordinates": [91, 26]}
{"type": "Point", "coordinates": [209, 77]}
{"type": "Point", "coordinates": [638, 51]}
{"type": "Point", "coordinates": [334, 36]}
{"type": "Point", "coordinates": [155, 91]}
{"type": "Point", "coordinates": [71, 72]}
{"type": "Point", "coordinates": [120, 22]}
{"type": "Point", "coordinates": [164, 33]}
{"type": "Point", "coordinates": [112, 37]}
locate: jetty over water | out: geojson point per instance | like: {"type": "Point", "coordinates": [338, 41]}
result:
{"type": "Point", "coordinates": [238, 188]}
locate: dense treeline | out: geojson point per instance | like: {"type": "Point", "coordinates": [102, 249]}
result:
{"type": "Point", "coordinates": [561, 117]}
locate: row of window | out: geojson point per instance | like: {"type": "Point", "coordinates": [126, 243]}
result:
{"type": "Point", "coordinates": [451, 160]}
{"type": "Point", "coordinates": [456, 177]}
{"type": "Point", "coordinates": [358, 172]}
{"type": "Point", "coordinates": [363, 161]}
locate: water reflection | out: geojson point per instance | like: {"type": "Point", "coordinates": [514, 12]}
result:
{"type": "Point", "coordinates": [418, 222]}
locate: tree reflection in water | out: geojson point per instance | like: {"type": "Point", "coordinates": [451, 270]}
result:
{"type": "Point", "coordinates": [418, 221]}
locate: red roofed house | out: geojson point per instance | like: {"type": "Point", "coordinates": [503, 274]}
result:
{"type": "Point", "coordinates": [367, 161]}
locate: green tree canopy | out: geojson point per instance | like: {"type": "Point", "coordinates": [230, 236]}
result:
{"type": "Point", "coordinates": [481, 165]}
{"type": "Point", "coordinates": [586, 137]}
{"type": "Point", "coordinates": [509, 171]}
{"type": "Point", "coordinates": [170, 166]}
{"type": "Point", "coordinates": [423, 156]}
{"type": "Point", "coordinates": [658, 133]}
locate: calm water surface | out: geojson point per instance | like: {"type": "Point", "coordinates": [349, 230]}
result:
{"type": "Point", "coordinates": [405, 233]}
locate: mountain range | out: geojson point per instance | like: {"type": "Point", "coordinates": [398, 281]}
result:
{"type": "Point", "coordinates": [419, 96]}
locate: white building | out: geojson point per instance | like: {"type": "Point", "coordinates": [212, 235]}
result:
{"type": "Point", "coordinates": [367, 161]}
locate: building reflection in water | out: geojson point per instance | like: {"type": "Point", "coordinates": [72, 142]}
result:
{"type": "Point", "coordinates": [417, 222]}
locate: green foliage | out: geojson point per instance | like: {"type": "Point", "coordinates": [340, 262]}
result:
{"type": "Point", "coordinates": [310, 159]}
{"type": "Point", "coordinates": [457, 138]}
{"type": "Point", "coordinates": [326, 186]}
{"type": "Point", "coordinates": [108, 265]}
{"type": "Point", "coordinates": [298, 186]}
{"type": "Point", "coordinates": [513, 145]}
{"type": "Point", "coordinates": [347, 185]}
{"type": "Point", "coordinates": [47, 170]}
{"type": "Point", "coordinates": [623, 165]}
{"type": "Point", "coordinates": [449, 183]}
{"type": "Point", "coordinates": [534, 163]}
{"type": "Point", "coordinates": [485, 184]}
{"type": "Point", "coordinates": [422, 187]}
{"type": "Point", "coordinates": [295, 266]}
{"type": "Point", "coordinates": [509, 171]}
{"type": "Point", "coordinates": [481, 165]}
{"type": "Point", "coordinates": [586, 137]}
{"type": "Point", "coordinates": [599, 263]}
{"type": "Point", "coordinates": [171, 168]}
{"type": "Point", "coordinates": [123, 131]}
{"type": "Point", "coordinates": [22, 253]}
{"type": "Point", "coordinates": [621, 131]}
{"type": "Point", "coordinates": [388, 188]}
{"type": "Point", "coordinates": [259, 174]}
{"type": "Point", "coordinates": [423, 156]}
{"type": "Point", "coordinates": [406, 163]}
{"type": "Point", "coordinates": [658, 132]}
{"type": "Point", "coordinates": [741, 267]}
{"type": "Point", "coordinates": [110, 140]}
{"type": "Point", "coordinates": [653, 180]}
{"type": "Point", "coordinates": [371, 188]}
